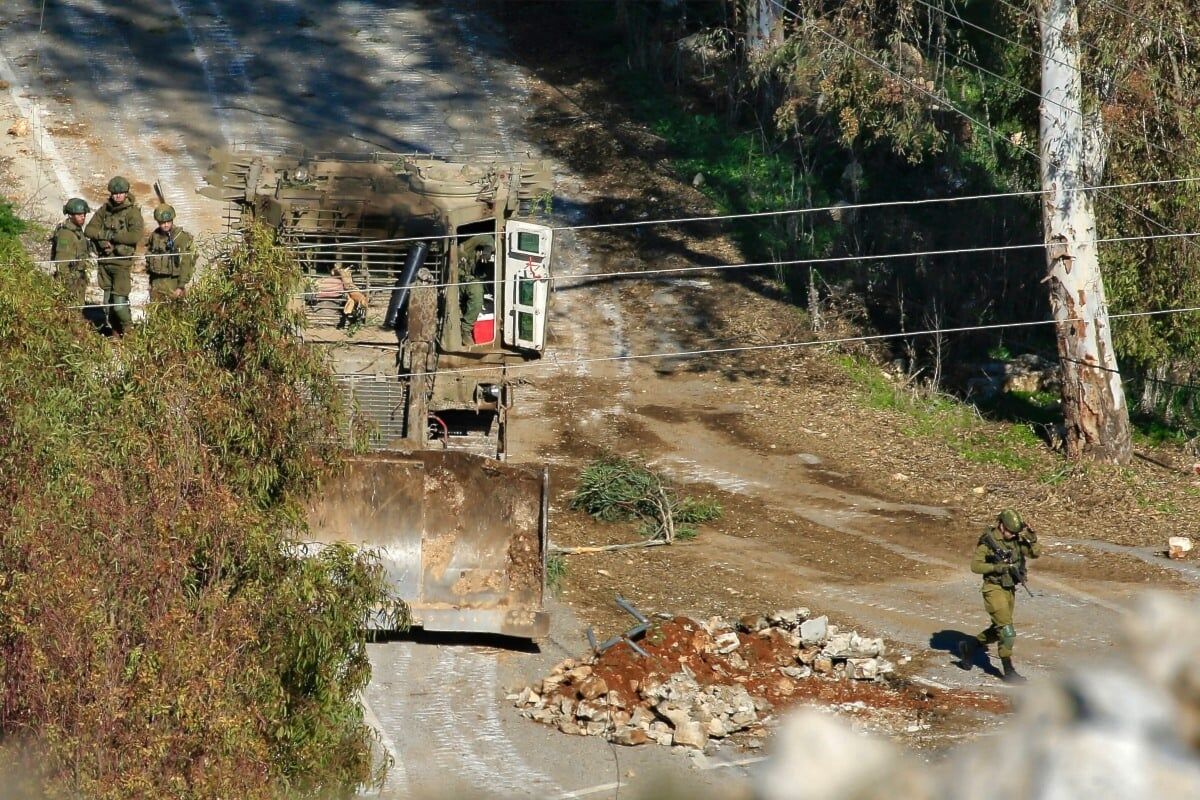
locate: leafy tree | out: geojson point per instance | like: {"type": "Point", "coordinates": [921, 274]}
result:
{"type": "Point", "coordinates": [159, 634]}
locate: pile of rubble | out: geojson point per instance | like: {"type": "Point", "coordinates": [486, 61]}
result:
{"type": "Point", "coordinates": [686, 682]}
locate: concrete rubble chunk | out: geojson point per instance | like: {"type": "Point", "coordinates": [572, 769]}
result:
{"type": "Point", "coordinates": [630, 736]}
{"type": "Point", "coordinates": [864, 669]}
{"type": "Point", "coordinates": [716, 728]}
{"type": "Point", "coordinates": [691, 734]}
{"type": "Point", "coordinates": [753, 623]}
{"type": "Point", "coordinates": [578, 674]}
{"type": "Point", "coordinates": [1179, 547]}
{"type": "Point", "coordinates": [592, 687]}
{"type": "Point", "coordinates": [797, 673]}
{"type": "Point", "coordinates": [641, 718]}
{"type": "Point", "coordinates": [814, 631]}
{"type": "Point", "coordinates": [726, 642]}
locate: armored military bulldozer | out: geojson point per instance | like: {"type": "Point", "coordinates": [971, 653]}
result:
{"type": "Point", "coordinates": [427, 283]}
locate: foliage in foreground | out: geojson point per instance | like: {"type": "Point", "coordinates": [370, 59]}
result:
{"type": "Point", "coordinates": [158, 635]}
{"type": "Point", "coordinates": [614, 489]}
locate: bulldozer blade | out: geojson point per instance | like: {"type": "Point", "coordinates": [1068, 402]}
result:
{"type": "Point", "coordinates": [461, 536]}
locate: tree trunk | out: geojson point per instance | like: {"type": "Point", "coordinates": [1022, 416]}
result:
{"type": "Point", "coordinates": [764, 26]}
{"type": "Point", "coordinates": [1093, 400]}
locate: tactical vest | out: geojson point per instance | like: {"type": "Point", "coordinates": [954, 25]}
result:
{"type": "Point", "coordinates": [80, 250]}
{"type": "Point", "coordinates": [999, 553]}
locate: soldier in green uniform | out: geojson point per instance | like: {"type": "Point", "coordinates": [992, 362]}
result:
{"type": "Point", "coordinates": [1000, 558]}
{"type": "Point", "coordinates": [69, 250]}
{"type": "Point", "coordinates": [115, 229]}
{"type": "Point", "coordinates": [475, 261]}
{"type": "Point", "coordinates": [170, 256]}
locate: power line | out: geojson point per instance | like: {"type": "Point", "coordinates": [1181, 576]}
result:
{"type": "Point", "coordinates": [591, 277]}
{"type": "Point", "coordinates": [711, 218]}
{"type": "Point", "coordinates": [683, 354]}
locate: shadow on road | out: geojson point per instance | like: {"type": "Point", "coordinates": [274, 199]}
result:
{"type": "Point", "coordinates": [457, 639]}
{"type": "Point", "coordinates": [948, 642]}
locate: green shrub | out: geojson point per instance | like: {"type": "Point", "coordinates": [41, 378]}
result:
{"type": "Point", "coordinates": [614, 489]}
{"type": "Point", "coordinates": [159, 636]}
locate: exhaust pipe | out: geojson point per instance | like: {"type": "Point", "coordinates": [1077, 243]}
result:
{"type": "Point", "coordinates": [412, 263]}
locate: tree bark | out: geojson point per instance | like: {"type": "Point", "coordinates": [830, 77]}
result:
{"type": "Point", "coordinates": [1093, 399]}
{"type": "Point", "coordinates": [764, 26]}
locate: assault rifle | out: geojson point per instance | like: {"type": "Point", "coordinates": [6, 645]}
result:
{"type": "Point", "coordinates": [1001, 556]}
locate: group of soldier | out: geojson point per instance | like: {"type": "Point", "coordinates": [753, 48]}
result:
{"type": "Point", "coordinates": [111, 237]}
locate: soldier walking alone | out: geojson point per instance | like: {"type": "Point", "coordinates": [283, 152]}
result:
{"type": "Point", "coordinates": [69, 250]}
{"type": "Point", "coordinates": [115, 229]}
{"type": "Point", "coordinates": [170, 256]}
{"type": "Point", "coordinates": [1000, 558]}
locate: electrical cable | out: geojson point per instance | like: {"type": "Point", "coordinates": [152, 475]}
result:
{"type": "Point", "coordinates": [844, 207]}
{"type": "Point", "coordinates": [592, 277]}
{"type": "Point", "coordinates": [876, 337]}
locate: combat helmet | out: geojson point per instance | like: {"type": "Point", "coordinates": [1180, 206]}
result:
{"type": "Point", "coordinates": [1010, 520]}
{"type": "Point", "coordinates": [164, 213]}
{"type": "Point", "coordinates": [118, 185]}
{"type": "Point", "coordinates": [76, 205]}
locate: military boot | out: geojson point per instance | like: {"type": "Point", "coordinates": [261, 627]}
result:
{"type": "Point", "coordinates": [1010, 672]}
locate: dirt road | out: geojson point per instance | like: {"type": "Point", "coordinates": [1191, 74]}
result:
{"type": "Point", "coordinates": [145, 88]}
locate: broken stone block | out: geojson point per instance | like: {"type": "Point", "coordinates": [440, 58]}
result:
{"type": "Point", "coordinates": [783, 685]}
{"type": "Point", "coordinates": [790, 619]}
{"type": "Point", "coordinates": [737, 662]}
{"type": "Point", "coordinates": [814, 631]}
{"type": "Point", "coordinates": [586, 709]}
{"type": "Point", "coordinates": [578, 674]}
{"type": "Point", "coordinates": [614, 700]}
{"type": "Point", "coordinates": [716, 728]}
{"type": "Point", "coordinates": [545, 715]}
{"type": "Point", "coordinates": [807, 657]}
{"type": "Point", "coordinates": [725, 642]}
{"type": "Point", "coordinates": [665, 739]}
{"type": "Point", "coordinates": [862, 647]}
{"type": "Point", "coordinates": [837, 646]}
{"type": "Point", "coordinates": [567, 707]}
{"type": "Point", "coordinates": [551, 683]}
{"type": "Point", "coordinates": [753, 623]}
{"type": "Point", "coordinates": [797, 673]}
{"type": "Point", "coordinates": [595, 727]}
{"type": "Point", "coordinates": [863, 669]}
{"type": "Point", "coordinates": [630, 737]}
{"type": "Point", "coordinates": [1179, 547]}
{"type": "Point", "coordinates": [567, 726]}
{"type": "Point", "coordinates": [691, 735]}
{"type": "Point", "coordinates": [620, 717]}
{"type": "Point", "coordinates": [743, 719]}
{"type": "Point", "coordinates": [563, 666]}
{"type": "Point", "coordinates": [675, 715]}
{"type": "Point", "coordinates": [19, 128]}
{"type": "Point", "coordinates": [823, 665]}
{"type": "Point", "coordinates": [592, 687]}
{"type": "Point", "coordinates": [641, 717]}
{"type": "Point", "coordinates": [528, 697]}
